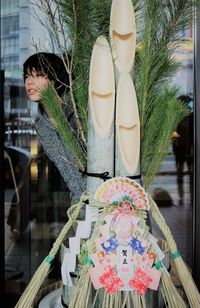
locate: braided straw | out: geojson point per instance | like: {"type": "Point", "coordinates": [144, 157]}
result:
{"type": "Point", "coordinates": [28, 296]}
{"type": "Point", "coordinates": [185, 276]}
{"type": "Point", "coordinates": [167, 287]}
{"type": "Point", "coordinates": [138, 300]}
{"type": "Point", "coordinates": [82, 291]}
{"type": "Point", "coordinates": [170, 292]}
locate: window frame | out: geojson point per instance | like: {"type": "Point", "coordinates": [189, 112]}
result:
{"type": "Point", "coordinates": [196, 203]}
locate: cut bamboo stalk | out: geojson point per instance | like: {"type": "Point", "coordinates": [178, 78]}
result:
{"type": "Point", "coordinates": [101, 113]}
{"type": "Point", "coordinates": [123, 34]}
{"type": "Point", "coordinates": [102, 87]}
{"type": "Point", "coordinates": [127, 160]}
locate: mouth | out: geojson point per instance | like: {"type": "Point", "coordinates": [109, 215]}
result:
{"type": "Point", "coordinates": [31, 91]}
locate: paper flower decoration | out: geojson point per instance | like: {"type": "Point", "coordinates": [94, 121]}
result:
{"type": "Point", "coordinates": [120, 189]}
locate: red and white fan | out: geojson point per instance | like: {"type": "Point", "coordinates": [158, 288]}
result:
{"type": "Point", "coordinates": [120, 189]}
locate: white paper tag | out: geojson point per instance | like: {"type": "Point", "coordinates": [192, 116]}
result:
{"type": "Point", "coordinates": [74, 245]}
{"type": "Point", "coordinates": [83, 229]}
{"type": "Point", "coordinates": [91, 213]}
{"type": "Point", "coordinates": [68, 265]}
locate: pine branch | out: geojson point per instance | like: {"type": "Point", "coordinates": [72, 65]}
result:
{"type": "Point", "coordinates": [84, 20]}
{"type": "Point", "coordinates": [168, 112]}
{"type": "Point", "coordinates": [155, 64]}
{"type": "Point", "coordinates": [154, 67]}
{"type": "Point", "coordinates": [52, 105]}
{"type": "Point", "coordinates": [59, 33]}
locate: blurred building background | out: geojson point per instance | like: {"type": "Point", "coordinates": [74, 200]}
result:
{"type": "Point", "coordinates": [21, 36]}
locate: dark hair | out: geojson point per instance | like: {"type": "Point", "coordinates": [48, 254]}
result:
{"type": "Point", "coordinates": [52, 66]}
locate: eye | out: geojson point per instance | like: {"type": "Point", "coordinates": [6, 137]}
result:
{"type": "Point", "coordinates": [26, 76]}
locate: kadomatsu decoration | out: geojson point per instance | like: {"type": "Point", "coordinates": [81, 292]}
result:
{"type": "Point", "coordinates": [121, 258]}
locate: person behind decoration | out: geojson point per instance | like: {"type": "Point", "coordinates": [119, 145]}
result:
{"type": "Point", "coordinates": [38, 70]}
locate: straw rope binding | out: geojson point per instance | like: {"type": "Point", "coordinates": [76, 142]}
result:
{"type": "Point", "coordinates": [185, 276]}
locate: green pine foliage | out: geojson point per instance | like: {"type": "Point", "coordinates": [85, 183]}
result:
{"type": "Point", "coordinates": [157, 136]}
{"type": "Point", "coordinates": [160, 111]}
{"type": "Point", "coordinates": [158, 29]}
{"type": "Point", "coordinates": [53, 107]}
{"type": "Point", "coordinates": [84, 21]}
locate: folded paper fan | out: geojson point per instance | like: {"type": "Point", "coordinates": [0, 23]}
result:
{"type": "Point", "coordinates": [120, 189]}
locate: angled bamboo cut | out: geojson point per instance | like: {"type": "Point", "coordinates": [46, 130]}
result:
{"type": "Point", "coordinates": [127, 128]}
{"type": "Point", "coordinates": [102, 87]}
{"type": "Point", "coordinates": [123, 34]}
{"type": "Point", "coordinates": [100, 146]}
{"type": "Point", "coordinates": [123, 43]}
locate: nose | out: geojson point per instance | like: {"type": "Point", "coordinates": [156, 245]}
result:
{"type": "Point", "coordinates": [30, 79]}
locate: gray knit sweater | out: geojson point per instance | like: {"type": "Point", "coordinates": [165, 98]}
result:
{"type": "Point", "coordinates": [59, 154]}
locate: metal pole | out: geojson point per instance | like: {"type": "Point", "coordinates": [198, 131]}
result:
{"type": "Point", "coordinates": [196, 205]}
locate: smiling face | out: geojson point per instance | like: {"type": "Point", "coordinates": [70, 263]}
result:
{"type": "Point", "coordinates": [34, 83]}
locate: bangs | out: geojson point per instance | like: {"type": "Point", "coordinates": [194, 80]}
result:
{"type": "Point", "coordinates": [34, 64]}
{"type": "Point", "coordinates": [49, 65]}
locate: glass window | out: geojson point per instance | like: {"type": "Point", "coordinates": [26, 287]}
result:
{"type": "Point", "coordinates": [36, 198]}
{"type": "Point", "coordinates": [173, 185]}
{"type": "Point", "coordinates": [9, 25]}
{"type": "Point", "coordinates": [10, 46]}
{"type": "Point", "coordinates": [9, 6]}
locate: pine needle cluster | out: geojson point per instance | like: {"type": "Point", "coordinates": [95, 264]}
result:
{"type": "Point", "coordinates": [84, 21]}
{"type": "Point", "coordinates": [157, 135]}
{"type": "Point", "coordinates": [160, 111]}
{"type": "Point", "coordinates": [53, 107]}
